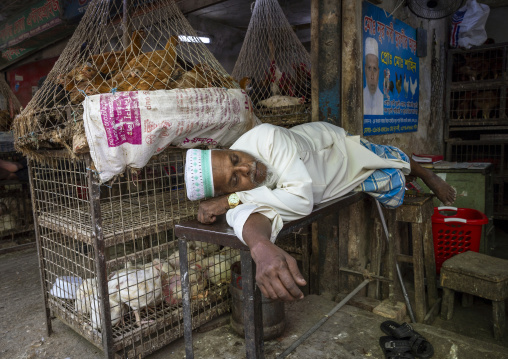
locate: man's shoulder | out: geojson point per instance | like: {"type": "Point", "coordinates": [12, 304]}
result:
{"type": "Point", "coordinates": [259, 133]}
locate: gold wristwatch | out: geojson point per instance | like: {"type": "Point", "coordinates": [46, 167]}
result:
{"type": "Point", "coordinates": [233, 200]}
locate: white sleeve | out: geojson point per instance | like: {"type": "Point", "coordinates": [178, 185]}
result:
{"type": "Point", "coordinates": [293, 198]}
{"type": "Point", "coordinates": [237, 217]}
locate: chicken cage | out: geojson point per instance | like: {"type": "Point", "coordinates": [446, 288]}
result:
{"type": "Point", "coordinates": [16, 219]}
{"type": "Point", "coordinates": [108, 257]}
{"type": "Point", "coordinates": [476, 88]}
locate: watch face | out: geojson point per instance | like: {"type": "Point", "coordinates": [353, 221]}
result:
{"type": "Point", "coordinates": [233, 199]}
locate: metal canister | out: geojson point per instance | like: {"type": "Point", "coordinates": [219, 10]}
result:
{"type": "Point", "coordinates": [274, 316]}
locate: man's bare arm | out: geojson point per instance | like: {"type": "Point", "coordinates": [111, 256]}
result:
{"type": "Point", "coordinates": [277, 274]}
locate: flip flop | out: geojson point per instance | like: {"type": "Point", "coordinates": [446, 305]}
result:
{"type": "Point", "coordinates": [420, 347]}
{"type": "Point", "coordinates": [395, 348]}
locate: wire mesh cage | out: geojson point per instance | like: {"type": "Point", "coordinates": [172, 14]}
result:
{"type": "Point", "coordinates": [477, 83]}
{"type": "Point", "coordinates": [109, 259]}
{"type": "Point", "coordinates": [9, 105]}
{"type": "Point", "coordinates": [16, 219]}
{"type": "Point", "coordinates": [479, 106]}
{"type": "Point", "coordinates": [274, 67]}
{"type": "Point", "coordinates": [479, 64]}
{"type": "Point", "coordinates": [118, 46]}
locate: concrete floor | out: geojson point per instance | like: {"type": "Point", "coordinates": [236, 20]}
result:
{"type": "Point", "coordinates": [349, 333]}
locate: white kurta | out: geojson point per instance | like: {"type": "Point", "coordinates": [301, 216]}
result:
{"type": "Point", "coordinates": [315, 162]}
{"type": "Point", "coordinates": [372, 104]}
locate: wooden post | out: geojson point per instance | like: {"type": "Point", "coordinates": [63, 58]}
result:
{"type": "Point", "coordinates": [126, 24]}
{"type": "Point", "coordinates": [326, 59]}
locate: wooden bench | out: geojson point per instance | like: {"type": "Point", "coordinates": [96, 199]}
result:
{"type": "Point", "coordinates": [221, 233]}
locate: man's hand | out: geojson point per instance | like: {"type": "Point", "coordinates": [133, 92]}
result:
{"type": "Point", "coordinates": [210, 209]}
{"type": "Point", "coordinates": [277, 274]}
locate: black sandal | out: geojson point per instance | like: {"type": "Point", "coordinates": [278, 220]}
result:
{"type": "Point", "coordinates": [395, 348]}
{"type": "Point", "coordinates": [419, 346]}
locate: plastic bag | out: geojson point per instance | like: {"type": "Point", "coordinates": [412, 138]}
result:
{"type": "Point", "coordinates": [127, 128]}
{"type": "Point", "coordinates": [468, 25]}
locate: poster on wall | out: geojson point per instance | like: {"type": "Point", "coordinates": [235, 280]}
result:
{"type": "Point", "coordinates": [390, 74]}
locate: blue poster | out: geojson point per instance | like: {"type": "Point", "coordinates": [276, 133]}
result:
{"type": "Point", "coordinates": [390, 74]}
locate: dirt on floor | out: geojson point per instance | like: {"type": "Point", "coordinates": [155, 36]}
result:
{"type": "Point", "coordinates": [349, 333]}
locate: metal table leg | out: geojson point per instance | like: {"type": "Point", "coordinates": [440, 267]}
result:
{"type": "Point", "coordinates": [252, 310]}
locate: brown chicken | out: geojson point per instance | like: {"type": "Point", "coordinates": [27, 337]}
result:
{"type": "Point", "coordinates": [112, 62]}
{"type": "Point", "coordinates": [487, 102]}
{"type": "Point", "coordinates": [194, 78]}
{"type": "Point", "coordinates": [464, 103]}
{"type": "Point", "coordinates": [245, 83]}
{"type": "Point", "coordinates": [82, 72]}
{"type": "Point", "coordinates": [202, 76]}
{"type": "Point", "coordinates": [161, 62]}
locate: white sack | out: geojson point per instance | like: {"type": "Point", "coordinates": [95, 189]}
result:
{"type": "Point", "coordinates": [468, 25]}
{"type": "Point", "coordinates": [126, 129]}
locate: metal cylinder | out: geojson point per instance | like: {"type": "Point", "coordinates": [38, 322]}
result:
{"type": "Point", "coordinates": [274, 316]}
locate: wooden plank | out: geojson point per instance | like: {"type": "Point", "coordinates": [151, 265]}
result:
{"type": "Point", "coordinates": [418, 268]}
{"type": "Point", "coordinates": [314, 261]}
{"type": "Point", "coordinates": [188, 6]}
{"type": "Point", "coordinates": [430, 263]}
{"type": "Point", "coordinates": [499, 316]}
{"type": "Point", "coordinates": [376, 251]}
{"type": "Point", "coordinates": [326, 43]}
{"type": "Point", "coordinates": [447, 305]}
{"type": "Point", "coordinates": [306, 261]}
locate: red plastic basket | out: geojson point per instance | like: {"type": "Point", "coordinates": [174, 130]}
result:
{"type": "Point", "coordinates": [458, 230]}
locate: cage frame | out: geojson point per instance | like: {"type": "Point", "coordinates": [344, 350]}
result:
{"type": "Point", "coordinates": [131, 343]}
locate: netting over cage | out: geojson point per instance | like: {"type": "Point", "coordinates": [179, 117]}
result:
{"type": "Point", "coordinates": [9, 106]}
{"type": "Point", "coordinates": [144, 46]}
{"type": "Point", "coordinates": [274, 67]}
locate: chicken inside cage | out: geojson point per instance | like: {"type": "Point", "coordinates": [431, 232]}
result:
{"type": "Point", "coordinates": [15, 208]}
{"type": "Point", "coordinates": [478, 65]}
{"type": "Point", "coordinates": [133, 69]}
{"type": "Point", "coordinates": [145, 292]}
{"type": "Point", "coordinates": [475, 104]}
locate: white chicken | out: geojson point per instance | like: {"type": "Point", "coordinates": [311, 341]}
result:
{"type": "Point", "coordinates": [139, 288]}
{"type": "Point", "coordinates": [206, 248]}
{"type": "Point", "coordinates": [193, 255]}
{"type": "Point", "coordinates": [281, 101]}
{"type": "Point", "coordinates": [274, 85]}
{"type": "Point", "coordinates": [406, 86]}
{"type": "Point", "coordinates": [197, 284]}
{"type": "Point", "coordinates": [84, 293]}
{"type": "Point", "coordinates": [87, 302]}
{"type": "Point", "coordinates": [412, 86]}
{"type": "Point", "coordinates": [218, 267]}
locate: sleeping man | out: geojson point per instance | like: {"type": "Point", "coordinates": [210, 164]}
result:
{"type": "Point", "coordinates": [271, 175]}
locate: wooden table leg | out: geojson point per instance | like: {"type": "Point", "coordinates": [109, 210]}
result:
{"type": "Point", "coordinates": [430, 264]}
{"type": "Point", "coordinates": [252, 315]}
{"type": "Point", "coordinates": [498, 310]}
{"type": "Point", "coordinates": [418, 269]}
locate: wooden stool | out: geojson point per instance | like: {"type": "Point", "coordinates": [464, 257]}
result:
{"type": "Point", "coordinates": [418, 210]}
{"type": "Point", "coordinates": [476, 274]}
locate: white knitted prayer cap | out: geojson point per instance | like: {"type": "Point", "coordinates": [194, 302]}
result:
{"type": "Point", "coordinates": [198, 174]}
{"type": "Point", "coordinates": [371, 47]}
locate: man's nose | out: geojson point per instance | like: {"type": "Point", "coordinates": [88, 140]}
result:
{"type": "Point", "coordinates": [243, 169]}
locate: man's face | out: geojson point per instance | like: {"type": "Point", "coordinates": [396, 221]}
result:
{"type": "Point", "coordinates": [372, 72]}
{"type": "Point", "coordinates": [235, 171]}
